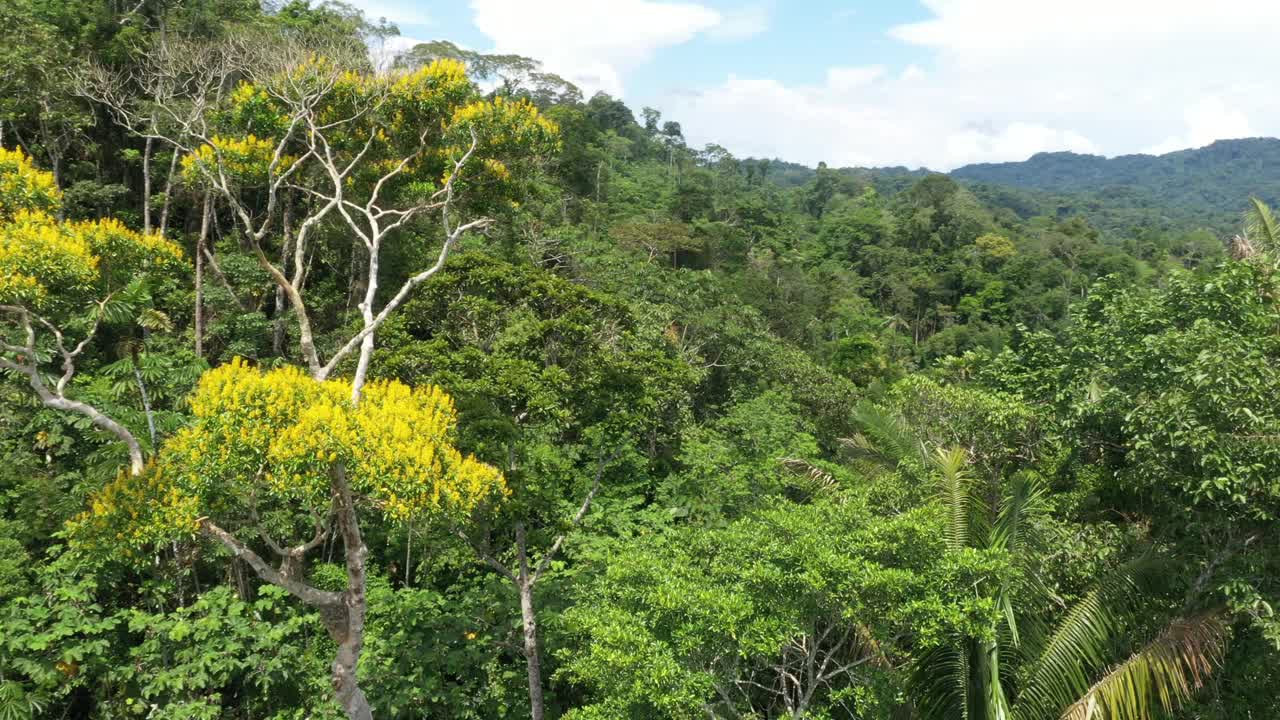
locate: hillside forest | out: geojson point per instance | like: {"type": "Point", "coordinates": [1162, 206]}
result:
{"type": "Point", "coordinates": [336, 385]}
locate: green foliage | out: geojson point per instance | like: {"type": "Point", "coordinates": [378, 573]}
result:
{"type": "Point", "coordinates": [1207, 186]}
{"type": "Point", "coordinates": [984, 449]}
{"type": "Point", "coordinates": [712, 621]}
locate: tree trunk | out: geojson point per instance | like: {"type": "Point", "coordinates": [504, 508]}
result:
{"type": "Point", "coordinates": [282, 308]}
{"type": "Point", "coordinates": [146, 401]}
{"type": "Point", "coordinates": [146, 187]}
{"type": "Point", "coordinates": [524, 585]}
{"type": "Point", "coordinates": [168, 193]}
{"type": "Point", "coordinates": [199, 310]}
{"type": "Point", "coordinates": [349, 635]}
{"type": "Point", "coordinates": [349, 631]}
{"type": "Point", "coordinates": [534, 663]}
{"type": "Point", "coordinates": [366, 313]}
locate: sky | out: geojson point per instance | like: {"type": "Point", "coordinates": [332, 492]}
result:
{"type": "Point", "coordinates": [920, 83]}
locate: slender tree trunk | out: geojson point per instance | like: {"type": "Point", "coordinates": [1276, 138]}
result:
{"type": "Point", "coordinates": [200, 242]}
{"type": "Point", "coordinates": [146, 401]}
{"type": "Point", "coordinates": [366, 312]}
{"type": "Point", "coordinates": [146, 187]}
{"type": "Point", "coordinates": [530, 619]}
{"type": "Point", "coordinates": [528, 616]}
{"type": "Point", "coordinates": [168, 193]}
{"type": "Point", "coordinates": [55, 166]}
{"type": "Point", "coordinates": [348, 630]}
{"type": "Point", "coordinates": [282, 308]}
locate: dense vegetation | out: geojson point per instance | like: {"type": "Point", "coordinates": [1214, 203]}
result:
{"type": "Point", "coordinates": [332, 390]}
{"type": "Point", "coordinates": [1205, 187]}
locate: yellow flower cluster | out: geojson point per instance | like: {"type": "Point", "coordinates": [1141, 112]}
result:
{"type": "Point", "coordinates": [24, 187]}
{"type": "Point", "coordinates": [133, 513]}
{"type": "Point", "coordinates": [512, 116]}
{"type": "Point", "coordinates": [41, 258]}
{"type": "Point", "coordinates": [123, 248]}
{"type": "Point", "coordinates": [505, 129]}
{"type": "Point", "coordinates": [398, 448]}
{"type": "Point", "coordinates": [246, 93]}
{"type": "Point", "coordinates": [391, 109]}
{"type": "Point", "coordinates": [441, 78]}
{"type": "Point", "coordinates": [281, 434]}
{"type": "Point", "coordinates": [246, 159]}
{"type": "Point", "coordinates": [39, 255]}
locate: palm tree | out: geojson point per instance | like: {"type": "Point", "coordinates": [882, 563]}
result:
{"type": "Point", "coordinates": [1020, 669]}
{"type": "Point", "coordinates": [1261, 232]}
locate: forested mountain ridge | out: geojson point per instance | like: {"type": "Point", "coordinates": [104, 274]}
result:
{"type": "Point", "coordinates": [1183, 190]}
{"type": "Point", "coordinates": [436, 389]}
{"type": "Point", "coordinates": [1202, 185]}
{"type": "Point", "coordinates": [1238, 166]}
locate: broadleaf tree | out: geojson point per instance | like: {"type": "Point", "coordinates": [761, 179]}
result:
{"type": "Point", "coordinates": [294, 142]}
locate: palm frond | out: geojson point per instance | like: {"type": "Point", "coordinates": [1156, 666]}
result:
{"type": "Point", "coordinates": [940, 684]}
{"type": "Point", "coordinates": [885, 436]}
{"type": "Point", "coordinates": [1081, 643]}
{"type": "Point", "coordinates": [810, 478]}
{"type": "Point", "coordinates": [955, 493]}
{"type": "Point", "coordinates": [988, 684]}
{"type": "Point", "coordinates": [1261, 227]}
{"type": "Point", "coordinates": [1167, 671]}
{"type": "Point", "coordinates": [1026, 496]}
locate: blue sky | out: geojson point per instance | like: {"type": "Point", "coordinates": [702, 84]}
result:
{"type": "Point", "coordinates": [935, 83]}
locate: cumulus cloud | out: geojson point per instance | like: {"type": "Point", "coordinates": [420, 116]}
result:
{"type": "Point", "coordinates": [593, 43]}
{"type": "Point", "coordinates": [743, 22]}
{"type": "Point", "coordinates": [1003, 79]}
{"type": "Point", "coordinates": [1207, 120]}
{"type": "Point", "coordinates": [859, 116]}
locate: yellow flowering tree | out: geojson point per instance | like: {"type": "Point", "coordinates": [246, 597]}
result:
{"type": "Point", "coordinates": [57, 284]}
{"type": "Point", "coordinates": [279, 461]}
{"type": "Point", "coordinates": [293, 141]}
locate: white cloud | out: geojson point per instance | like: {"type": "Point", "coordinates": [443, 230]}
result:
{"type": "Point", "coordinates": [590, 42]}
{"type": "Point", "coordinates": [1003, 79]}
{"type": "Point", "coordinates": [848, 78]}
{"type": "Point", "coordinates": [1016, 141]}
{"type": "Point", "coordinates": [383, 51]}
{"type": "Point", "coordinates": [859, 116]}
{"type": "Point", "coordinates": [1207, 120]}
{"type": "Point", "coordinates": [742, 23]}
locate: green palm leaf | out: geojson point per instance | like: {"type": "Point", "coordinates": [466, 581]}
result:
{"type": "Point", "coordinates": [885, 436]}
{"type": "Point", "coordinates": [1261, 226]}
{"type": "Point", "coordinates": [955, 491]}
{"type": "Point", "coordinates": [940, 684]}
{"type": "Point", "coordinates": [1167, 671]}
{"type": "Point", "coordinates": [1082, 642]}
{"type": "Point", "coordinates": [1026, 496]}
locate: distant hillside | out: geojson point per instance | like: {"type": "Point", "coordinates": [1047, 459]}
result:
{"type": "Point", "coordinates": [1207, 186]}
